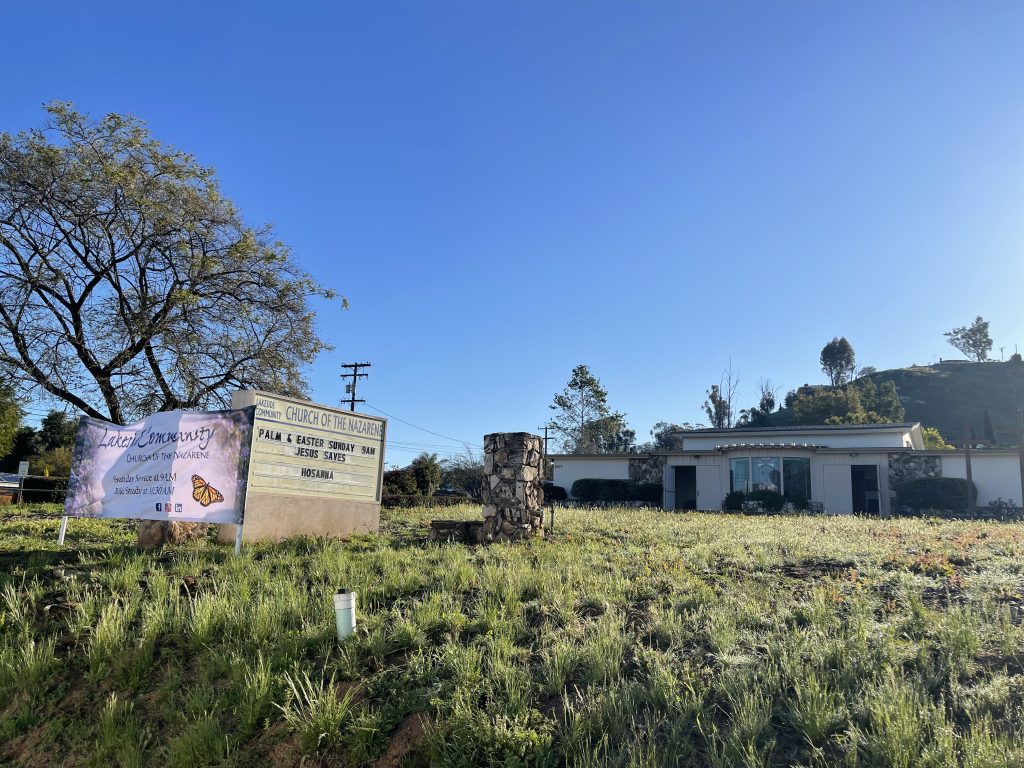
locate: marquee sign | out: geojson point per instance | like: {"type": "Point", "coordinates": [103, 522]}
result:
{"type": "Point", "coordinates": [306, 450]}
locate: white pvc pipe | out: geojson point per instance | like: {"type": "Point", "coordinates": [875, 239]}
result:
{"type": "Point", "coordinates": [345, 613]}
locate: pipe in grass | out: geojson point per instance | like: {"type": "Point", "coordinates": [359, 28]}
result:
{"type": "Point", "coordinates": [345, 613]}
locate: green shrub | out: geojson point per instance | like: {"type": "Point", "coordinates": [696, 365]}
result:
{"type": "Point", "coordinates": [799, 502]}
{"type": "Point", "coordinates": [400, 482]}
{"type": "Point", "coordinates": [939, 493]}
{"type": "Point", "coordinates": [770, 501]}
{"type": "Point", "coordinates": [45, 489]}
{"type": "Point", "coordinates": [601, 489]}
{"type": "Point", "coordinates": [554, 492]}
{"type": "Point", "coordinates": [652, 492]}
{"type": "Point", "coordinates": [734, 501]}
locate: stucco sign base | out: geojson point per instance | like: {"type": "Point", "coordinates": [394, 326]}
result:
{"type": "Point", "coordinates": [271, 517]}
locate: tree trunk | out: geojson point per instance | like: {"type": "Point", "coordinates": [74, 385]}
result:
{"type": "Point", "coordinates": [153, 534]}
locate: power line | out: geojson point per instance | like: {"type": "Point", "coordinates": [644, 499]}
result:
{"type": "Point", "coordinates": [422, 429]}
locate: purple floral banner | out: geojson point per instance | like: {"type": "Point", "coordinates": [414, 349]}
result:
{"type": "Point", "coordinates": [176, 465]}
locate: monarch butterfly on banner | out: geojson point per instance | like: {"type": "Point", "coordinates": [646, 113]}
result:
{"type": "Point", "coordinates": [205, 493]}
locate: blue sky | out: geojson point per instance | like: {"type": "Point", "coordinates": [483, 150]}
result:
{"type": "Point", "coordinates": [503, 190]}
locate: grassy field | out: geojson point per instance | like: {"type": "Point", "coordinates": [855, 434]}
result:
{"type": "Point", "coordinates": [630, 638]}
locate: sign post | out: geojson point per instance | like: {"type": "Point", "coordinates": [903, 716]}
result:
{"type": "Point", "coordinates": [22, 472]}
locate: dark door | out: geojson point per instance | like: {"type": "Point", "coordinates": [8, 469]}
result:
{"type": "Point", "coordinates": [864, 480]}
{"type": "Point", "coordinates": [686, 487]}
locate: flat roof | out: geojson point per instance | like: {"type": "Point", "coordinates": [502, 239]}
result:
{"type": "Point", "coordinates": [805, 428]}
{"type": "Point", "coordinates": [599, 455]}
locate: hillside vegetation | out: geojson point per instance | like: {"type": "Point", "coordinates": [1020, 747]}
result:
{"type": "Point", "coordinates": [640, 638]}
{"type": "Point", "coordinates": [951, 394]}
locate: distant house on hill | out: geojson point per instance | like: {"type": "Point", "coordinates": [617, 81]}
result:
{"type": "Point", "coordinates": [846, 468]}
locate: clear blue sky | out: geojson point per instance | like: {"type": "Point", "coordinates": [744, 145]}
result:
{"type": "Point", "coordinates": [503, 190]}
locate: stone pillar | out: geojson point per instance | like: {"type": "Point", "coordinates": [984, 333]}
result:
{"type": "Point", "coordinates": [513, 489]}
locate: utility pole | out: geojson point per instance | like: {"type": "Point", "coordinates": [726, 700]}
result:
{"type": "Point", "coordinates": [546, 427]}
{"type": "Point", "coordinates": [544, 457]}
{"type": "Point", "coordinates": [971, 501]}
{"type": "Point", "coordinates": [350, 388]}
{"type": "Point", "coordinates": [1020, 450]}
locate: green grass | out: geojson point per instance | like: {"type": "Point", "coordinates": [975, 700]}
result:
{"type": "Point", "coordinates": [629, 638]}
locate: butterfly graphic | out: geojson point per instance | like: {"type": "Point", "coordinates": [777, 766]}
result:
{"type": "Point", "coordinates": [205, 493]}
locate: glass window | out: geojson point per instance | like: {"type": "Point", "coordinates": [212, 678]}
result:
{"type": "Point", "coordinates": [797, 478]}
{"type": "Point", "coordinates": [765, 475]}
{"type": "Point", "coordinates": [739, 475]}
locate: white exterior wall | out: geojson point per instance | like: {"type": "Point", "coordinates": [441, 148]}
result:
{"type": "Point", "coordinates": [567, 470]}
{"type": "Point", "coordinates": [716, 495]}
{"type": "Point", "coordinates": [996, 475]}
{"type": "Point", "coordinates": [867, 438]}
{"type": "Point", "coordinates": [836, 496]}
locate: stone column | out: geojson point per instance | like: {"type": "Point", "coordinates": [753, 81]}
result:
{"type": "Point", "coordinates": [513, 489]}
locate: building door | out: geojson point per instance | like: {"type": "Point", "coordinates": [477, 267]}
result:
{"type": "Point", "coordinates": [837, 489]}
{"type": "Point", "coordinates": [686, 488]}
{"type": "Point", "coordinates": [864, 488]}
{"type": "Point", "coordinates": [709, 486]}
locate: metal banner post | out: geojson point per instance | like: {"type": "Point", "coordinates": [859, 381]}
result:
{"type": "Point", "coordinates": [63, 530]}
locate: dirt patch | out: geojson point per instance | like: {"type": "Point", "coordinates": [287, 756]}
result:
{"type": "Point", "coordinates": [638, 615]}
{"type": "Point", "coordinates": [554, 708]}
{"type": "Point", "coordinates": [280, 747]}
{"type": "Point", "coordinates": [944, 595]}
{"type": "Point", "coordinates": [406, 747]}
{"type": "Point", "coordinates": [817, 569]}
{"type": "Point", "coordinates": [590, 609]}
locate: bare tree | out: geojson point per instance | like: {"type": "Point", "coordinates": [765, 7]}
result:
{"type": "Point", "coordinates": [768, 394]}
{"type": "Point", "coordinates": [129, 284]}
{"type": "Point", "coordinates": [719, 404]}
{"type": "Point", "coordinates": [729, 387]}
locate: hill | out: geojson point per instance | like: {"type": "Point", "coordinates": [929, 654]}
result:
{"type": "Point", "coordinates": [953, 393]}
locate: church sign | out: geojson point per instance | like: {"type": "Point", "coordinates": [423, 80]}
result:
{"type": "Point", "coordinates": [313, 469]}
{"type": "Point", "coordinates": [175, 465]}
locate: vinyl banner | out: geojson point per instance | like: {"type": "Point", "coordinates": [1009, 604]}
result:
{"type": "Point", "coordinates": [177, 465]}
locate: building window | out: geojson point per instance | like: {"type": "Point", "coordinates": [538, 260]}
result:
{"type": "Point", "coordinates": [765, 475]}
{"type": "Point", "coordinates": [739, 475]}
{"type": "Point", "coordinates": [796, 478]}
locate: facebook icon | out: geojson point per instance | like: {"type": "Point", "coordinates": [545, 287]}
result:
{"type": "Point", "coordinates": [159, 506]}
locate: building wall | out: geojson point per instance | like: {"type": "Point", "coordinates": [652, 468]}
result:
{"type": "Point", "coordinates": [715, 495]}
{"type": "Point", "coordinates": [837, 495]}
{"type": "Point", "coordinates": [996, 475]}
{"type": "Point", "coordinates": [567, 471]}
{"type": "Point", "coordinates": [871, 438]}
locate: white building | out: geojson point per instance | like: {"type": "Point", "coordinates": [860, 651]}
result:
{"type": "Point", "coordinates": [847, 468]}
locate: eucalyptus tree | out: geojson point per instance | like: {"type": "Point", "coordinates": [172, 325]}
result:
{"type": "Point", "coordinates": [838, 361]}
